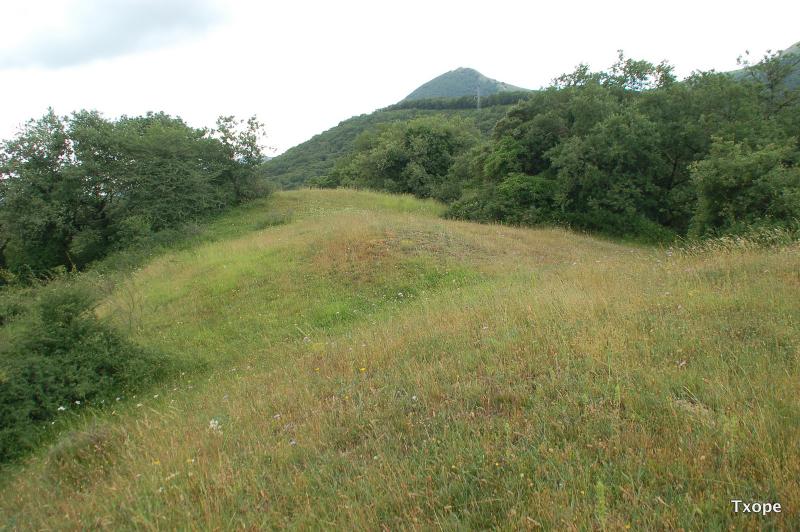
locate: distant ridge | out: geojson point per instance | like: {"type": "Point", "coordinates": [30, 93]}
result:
{"type": "Point", "coordinates": [790, 55]}
{"type": "Point", "coordinates": [460, 82]}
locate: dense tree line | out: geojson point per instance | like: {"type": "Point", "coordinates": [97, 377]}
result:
{"type": "Point", "coordinates": [412, 157]}
{"type": "Point", "coordinates": [312, 162]}
{"type": "Point", "coordinates": [628, 151]}
{"type": "Point", "coordinates": [73, 188]}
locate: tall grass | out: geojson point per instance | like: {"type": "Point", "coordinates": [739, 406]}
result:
{"type": "Point", "coordinates": [369, 365]}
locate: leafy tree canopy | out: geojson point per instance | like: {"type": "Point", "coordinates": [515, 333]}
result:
{"type": "Point", "coordinates": [71, 188]}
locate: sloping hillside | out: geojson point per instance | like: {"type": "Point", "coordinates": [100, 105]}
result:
{"type": "Point", "coordinates": [793, 54]}
{"type": "Point", "coordinates": [370, 365]}
{"type": "Point", "coordinates": [451, 94]}
{"type": "Point", "coordinates": [460, 82]}
{"type": "Point", "coordinates": [790, 56]}
{"type": "Point", "coordinates": [317, 156]}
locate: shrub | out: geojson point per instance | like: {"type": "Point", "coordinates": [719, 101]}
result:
{"type": "Point", "coordinates": [740, 187]}
{"type": "Point", "coordinates": [57, 353]}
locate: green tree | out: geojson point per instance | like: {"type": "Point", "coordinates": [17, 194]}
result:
{"type": "Point", "coordinates": [243, 152]}
{"type": "Point", "coordinates": [73, 188]}
{"type": "Point", "coordinates": [739, 186]}
{"type": "Point", "coordinates": [40, 195]}
{"type": "Point", "coordinates": [411, 157]}
{"type": "Point", "coordinates": [772, 74]}
{"type": "Point", "coordinates": [614, 151]}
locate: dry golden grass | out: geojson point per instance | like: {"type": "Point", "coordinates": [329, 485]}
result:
{"type": "Point", "coordinates": [369, 365]}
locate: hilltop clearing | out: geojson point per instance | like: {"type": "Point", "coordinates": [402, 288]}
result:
{"type": "Point", "coordinates": [351, 360]}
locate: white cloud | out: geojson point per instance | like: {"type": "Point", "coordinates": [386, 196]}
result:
{"type": "Point", "coordinates": [87, 30]}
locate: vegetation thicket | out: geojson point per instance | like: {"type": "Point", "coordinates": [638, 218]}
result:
{"type": "Point", "coordinates": [71, 191]}
{"type": "Point", "coordinates": [628, 152]}
{"type": "Point", "coordinates": [58, 355]}
{"type": "Point", "coordinates": [412, 157]}
{"type": "Point", "coordinates": [74, 188]}
{"type": "Point", "coordinates": [312, 162]}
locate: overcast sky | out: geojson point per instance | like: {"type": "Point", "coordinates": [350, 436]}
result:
{"type": "Point", "coordinates": [304, 66]}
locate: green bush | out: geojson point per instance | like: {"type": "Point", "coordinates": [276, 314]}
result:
{"type": "Point", "coordinates": [740, 187]}
{"type": "Point", "coordinates": [413, 157]}
{"type": "Point", "coordinates": [56, 353]}
{"type": "Point", "coordinates": [133, 230]}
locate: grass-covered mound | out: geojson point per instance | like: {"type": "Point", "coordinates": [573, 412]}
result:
{"type": "Point", "coordinates": [374, 365]}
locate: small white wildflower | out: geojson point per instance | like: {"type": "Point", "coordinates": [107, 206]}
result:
{"type": "Point", "coordinates": [155, 396]}
{"type": "Point", "coordinates": [215, 426]}
{"type": "Point", "coordinates": [276, 416]}
{"type": "Point", "coordinates": [62, 408]}
{"type": "Point", "coordinates": [413, 397]}
{"type": "Point", "coordinates": [306, 339]}
{"type": "Point", "coordinates": [292, 442]}
{"type": "Point", "coordinates": [77, 402]}
{"type": "Point", "coordinates": [138, 405]}
{"type": "Point", "coordinates": [118, 398]}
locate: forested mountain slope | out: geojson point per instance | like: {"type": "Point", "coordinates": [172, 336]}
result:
{"type": "Point", "coordinates": [460, 82]}
{"type": "Point", "coordinates": [317, 156]}
{"type": "Point", "coordinates": [790, 57]}
{"type": "Point", "coordinates": [453, 94]}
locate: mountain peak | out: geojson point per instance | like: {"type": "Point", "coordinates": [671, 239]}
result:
{"type": "Point", "coordinates": [462, 81]}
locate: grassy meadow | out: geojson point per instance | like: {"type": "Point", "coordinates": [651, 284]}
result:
{"type": "Point", "coordinates": [351, 360]}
